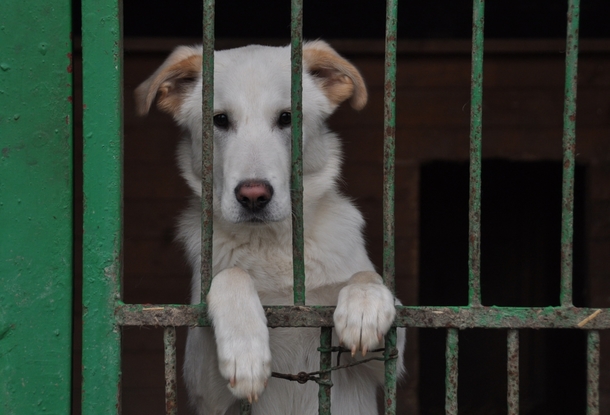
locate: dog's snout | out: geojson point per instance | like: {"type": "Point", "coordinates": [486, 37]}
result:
{"type": "Point", "coordinates": [254, 195]}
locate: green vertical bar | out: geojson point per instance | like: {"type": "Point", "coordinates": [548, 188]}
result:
{"type": "Point", "coordinates": [389, 112]}
{"type": "Point", "coordinates": [451, 372]}
{"type": "Point", "coordinates": [102, 182]}
{"type": "Point", "coordinates": [569, 152]}
{"type": "Point", "coordinates": [35, 206]}
{"type": "Point", "coordinates": [476, 122]}
{"type": "Point", "coordinates": [512, 369]}
{"type": "Point", "coordinates": [593, 352]}
{"type": "Point", "coordinates": [326, 340]}
{"type": "Point", "coordinates": [296, 46]}
{"type": "Point", "coordinates": [207, 148]}
{"type": "Point", "coordinates": [171, 386]}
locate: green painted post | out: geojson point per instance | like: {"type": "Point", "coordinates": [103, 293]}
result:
{"type": "Point", "coordinates": [296, 179]}
{"type": "Point", "coordinates": [102, 187]}
{"type": "Point", "coordinates": [207, 148]}
{"type": "Point", "coordinates": [569, 153]}
{"type": "Point", "coordinates": [593, 355]}
{"type": "Point", "coordinates": [451, 372]}
{"type": "Point", "coordinates": [35, 207]}
{"type": "Point", "coordinates": [389, 156]}
{"type": "Point", "coordinates": [476, 120]}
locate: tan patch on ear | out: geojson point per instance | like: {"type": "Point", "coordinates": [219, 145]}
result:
{"type": "Point", "coordinates": [170, 82]}
{"type": "Point", "coordinates": [339, 79]}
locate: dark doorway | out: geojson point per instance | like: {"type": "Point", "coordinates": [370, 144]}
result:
{"type": "Point", "coordinates": [520, 266]}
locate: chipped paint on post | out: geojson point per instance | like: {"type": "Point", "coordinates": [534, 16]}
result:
{"type": "Point", "coordinates": [35, 207]}
{"type": "Point", "coordinates": [593, 352]}
{"type": "Point", "coordinates": [389, 158]}
{"type": "Point", "coordinates": [102, 218]}
{"type": "Point", "coordinates": [325, 382]}
{"type": "Point", "coordinates": [569, 153]}
{"type": "Point", "coordinates": [171, 387]}
{"type": "Point", "coordinates": [512, 369]}
{"type": "Point", "coordinates": [476, 125]}
{"type": "Point", "coordinates": [451, 372]}
{"type": "Point", "coordinates": [296, 178]}
{"type": "Point", "coordinates": [207, 148]}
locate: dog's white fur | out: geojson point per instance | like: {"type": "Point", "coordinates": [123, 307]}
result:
{"type": "Point", "coordinates": [252, 250]}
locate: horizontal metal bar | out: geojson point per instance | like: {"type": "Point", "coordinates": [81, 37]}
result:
{"type": "Point", "coordinates": [423, 317]}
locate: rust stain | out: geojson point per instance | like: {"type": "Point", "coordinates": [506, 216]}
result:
{"type": "Point", "coordinates": [69, 68]}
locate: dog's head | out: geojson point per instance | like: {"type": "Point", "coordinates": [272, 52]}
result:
{"type": "Point", "coordinates": [252, 121]}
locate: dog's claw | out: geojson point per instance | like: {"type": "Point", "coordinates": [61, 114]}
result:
{"type": "Point", "coordinates": [232, 382]}
{"type": "Point", "coordinates": [379, 336]}
{"type": "Point", "coordinates": [353, 351]}
{"type": "Point", "coordinates": [255, 397]}
{"type": "Point", "coordinates": [250, 399]}
{"type": "Point", "coordinates": [364, 350]}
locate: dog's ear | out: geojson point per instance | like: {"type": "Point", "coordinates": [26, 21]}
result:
{"type": "Point", "coordinates": [339, 79]}
{"type": "Point", "coordinates": [170, 81]}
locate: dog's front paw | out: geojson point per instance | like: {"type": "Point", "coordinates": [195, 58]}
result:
{"type": "Point", "coordinates": [245, 361]}
{"type": "Point", "coordinates": [242, 336]}
{"type": "Point", "coordinates": [365, 311]}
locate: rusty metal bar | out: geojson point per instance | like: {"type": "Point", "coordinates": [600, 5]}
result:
{"type": "Point", "coordinates": [296, 179]}
{"type": "Point", "coordinates": [325, 383]}
{"type": "Point", "coordinates": [171, 387]}
{"type": "Point", "coordinates": [423, 317]}
{"type": "Point", "coordinates": [389, 157]}
{"type": "Point", "coordinates": [389, 386]}
{"type": "Point", "coordinates": [569, 153]}
{"type": "Point", "coordinates": [512, 394]}
{"type": "Point", "coordinates": [207, 148]}
{"type": "Point", "coordinates": [476, 119]}
{"type": "Point", "coordinates": [451, 372]}
{"type": "Point", "coordinates": [593, 352]}
{"type": "Point", "coordinates": [245, 407]}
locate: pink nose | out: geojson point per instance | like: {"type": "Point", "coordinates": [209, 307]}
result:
{"type": "Point", "coordinates": [254, 194]}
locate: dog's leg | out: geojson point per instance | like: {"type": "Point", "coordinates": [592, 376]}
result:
{"type": "Point", "coordinates": [242, 336]}
{"type": "Point", "coordinates": [365, 311]}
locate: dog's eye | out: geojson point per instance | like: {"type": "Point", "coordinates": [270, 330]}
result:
{"type": "Point", "coordinates": [285, 119]}
{"type": "Point", "coordinates": [221, 120]}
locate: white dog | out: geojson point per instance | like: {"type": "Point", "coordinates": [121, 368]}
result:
{"type": "Point", "coordinates": [252, 231]}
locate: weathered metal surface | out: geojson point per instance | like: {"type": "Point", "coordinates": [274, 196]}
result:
{"type": "Point", "coordinates": [296, 179]}
{"type": "Point", "coordinates": [451, 372]}
{"type": "Point", "coordinates": [325, 383]}
{"type": "Point", "coordinates": [512, 368]}
{"type": "Point", "coordinates": [102, 188]}
{"type": "Point", "coordinates": [390, 355]}
{"type": "Point", "coordinates": [389, 143]}
{"type": "Point", "coordinates": [35, 207]}
{"type": "Point", "coordinates": [245, 407]}
{"type": "Point", "coordinates": [207, 148]}
{"type": "Point", "coordinates": [569, 153]}
{"type": "Point", "coordinates": [476, 123]}
{"type": "Point", "coordinates": [423, 317]}
{"type": "Point", "coordinates": [171, 387]}
{"type": "Point", "coordinates": [389, 157]}
{"type": "Point", "coordinates": [593, 351]}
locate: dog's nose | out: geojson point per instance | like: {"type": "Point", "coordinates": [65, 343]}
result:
{"type": "Point", "coordinates": [254, 194]}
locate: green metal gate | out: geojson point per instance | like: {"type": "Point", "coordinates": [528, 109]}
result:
{"type": "Point", "coordinates": [103, 311]}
